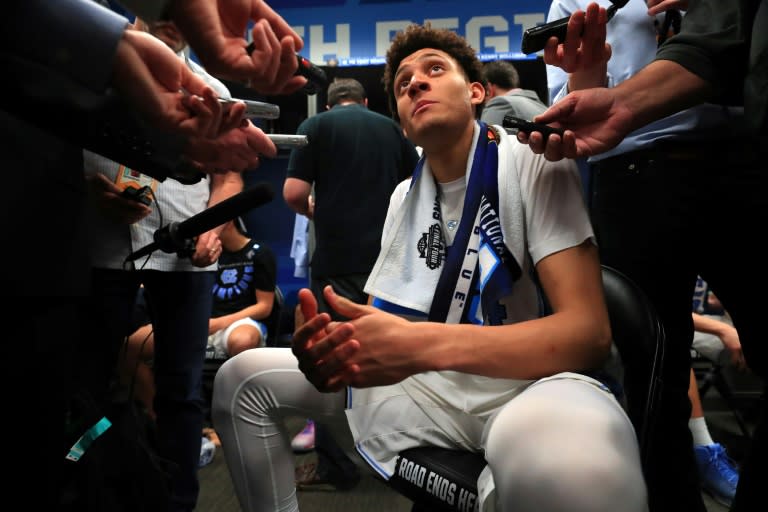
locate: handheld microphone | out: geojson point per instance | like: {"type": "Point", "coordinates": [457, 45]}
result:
{"type": "Point", "coordinates": [172, 237]}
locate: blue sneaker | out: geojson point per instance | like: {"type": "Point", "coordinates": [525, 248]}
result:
{"type": "Point", "coordinates": [718, 472]}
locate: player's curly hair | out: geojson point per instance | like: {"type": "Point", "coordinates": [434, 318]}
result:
{"type": "Point", "coordinates": [416, 37]}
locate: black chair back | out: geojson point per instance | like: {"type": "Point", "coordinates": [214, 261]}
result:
{"type": "Point", "coordinates": [637, 334]}
{"type": "Point", "coordinates": [273, 321]}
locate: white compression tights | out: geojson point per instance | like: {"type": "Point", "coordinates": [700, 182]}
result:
{"type": "Point", "coordinates": [561, 445]}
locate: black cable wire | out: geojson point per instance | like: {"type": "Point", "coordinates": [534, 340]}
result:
{"type": "Point", "coordinates": [671, 25]}
{"type": "Point", "coordinates": [139, 360]}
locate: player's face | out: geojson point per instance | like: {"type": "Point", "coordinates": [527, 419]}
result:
{"type": "Point", "coordinates": [432, 92]}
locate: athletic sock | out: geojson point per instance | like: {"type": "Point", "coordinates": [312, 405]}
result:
{"type": "Point", "coordinates": [701, 436]}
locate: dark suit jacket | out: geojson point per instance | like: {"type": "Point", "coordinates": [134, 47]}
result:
{"type": "Point", "coordinates": [102, 123]}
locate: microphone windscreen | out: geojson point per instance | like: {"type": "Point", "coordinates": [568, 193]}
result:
{"type": "Point", "coordinates": [225, 211]}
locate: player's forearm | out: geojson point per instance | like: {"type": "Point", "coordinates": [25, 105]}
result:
{"type": "Point", "coordinates": [525, 350]}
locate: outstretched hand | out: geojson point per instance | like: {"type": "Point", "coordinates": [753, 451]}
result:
{"type": "Point", "coordinates": [152, 77]}
{"type": "Point", "coordinates": [584, 113]}
{"type": "Point", "coordinates": [107, 198]}
{"type": "Point", "coordinates": [237, 149]}
{"type": "Point", "coordinates": [216, 31]}
{"type": "Point", "coordinates": [595, 121]}
{"type": "Point", "coordinates": [584, 54]}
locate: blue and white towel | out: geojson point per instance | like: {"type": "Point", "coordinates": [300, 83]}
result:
{"type": "Point", "coordinates": [413, 258]}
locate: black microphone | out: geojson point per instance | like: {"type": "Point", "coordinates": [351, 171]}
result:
{"type": "Point", "coordinates": [314, 74]}
{"type": "Point", "coordinates": [173, 237]}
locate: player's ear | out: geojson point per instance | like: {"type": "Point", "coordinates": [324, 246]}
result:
{"type": "Point", "coordinates": [477, 92]}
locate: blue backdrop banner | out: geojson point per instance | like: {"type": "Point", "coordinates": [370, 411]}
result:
{"type": "Point", "coordinates": [358, 32]}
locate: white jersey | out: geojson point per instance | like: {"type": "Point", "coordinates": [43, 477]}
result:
{"type": "Point", "coordinates": [551, 216]}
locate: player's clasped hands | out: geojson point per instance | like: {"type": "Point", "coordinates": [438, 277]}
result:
{"type": "Point", "coordinates": [373, 348]}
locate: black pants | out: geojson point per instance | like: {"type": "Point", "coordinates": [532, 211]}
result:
{"type": "Point", "coordinates": [42, 334]}
{"type": "Point", "coordinates": [333, 463]}
{"type": "Point", "coordinates": [331, 458]}
{"type": "Point", "coordinates": [664, 217]}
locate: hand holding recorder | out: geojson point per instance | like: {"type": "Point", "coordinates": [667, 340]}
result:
{"type": "Point", "coordinates": [315, 75]}
{"type": "Point", "coordinates": [216, 31]}
{"type": "Point", "coordinates": [535, 38]}
{"type": "Point", "coordinates": [530, 126]}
